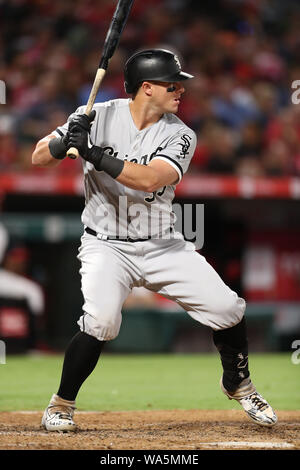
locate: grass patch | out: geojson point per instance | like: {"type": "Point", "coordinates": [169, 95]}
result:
{"type": "Point", "coordinates": [140, 382]}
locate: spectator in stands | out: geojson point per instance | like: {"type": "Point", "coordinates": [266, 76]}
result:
{"type": "Point", "coordinates": [220, 143]}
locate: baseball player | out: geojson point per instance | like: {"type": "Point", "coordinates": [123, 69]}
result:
{"type": "Point", "coordinates": [134, 152]}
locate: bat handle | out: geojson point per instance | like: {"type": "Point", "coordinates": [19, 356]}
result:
{"type": "Point", "coordinates": [73, 152]}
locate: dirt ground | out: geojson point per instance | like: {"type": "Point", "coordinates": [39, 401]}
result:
{"type": "Point", "coordinates": [144, 430]}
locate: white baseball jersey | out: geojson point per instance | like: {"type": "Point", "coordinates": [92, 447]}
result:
{"type": "Point", "coordinates": [114, 209]}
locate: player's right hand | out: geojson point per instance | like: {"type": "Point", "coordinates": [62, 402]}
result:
{"type": "Point", "coordinates": [82, 122]}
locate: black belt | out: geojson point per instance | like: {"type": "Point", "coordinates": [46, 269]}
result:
{"type": "Point", "coordinates": [123, 239]}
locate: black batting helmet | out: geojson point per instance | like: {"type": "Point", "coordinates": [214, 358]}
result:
{"type": "Point", "coordinates": [155, 65]}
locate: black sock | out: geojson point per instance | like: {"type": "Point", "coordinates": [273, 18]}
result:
{"type": "Point", "coordinates": [232, 345]}
{"type": "Point", "coordinates": [81, 357]}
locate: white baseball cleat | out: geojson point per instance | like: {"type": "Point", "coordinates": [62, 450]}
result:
{"type": "Point", "coordinates": [58, 416]}
{"type": "Point", "coordinates": [256, 407]}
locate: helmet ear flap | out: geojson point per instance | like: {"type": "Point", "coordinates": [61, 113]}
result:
{"type": "Point", "coordinates": [130, 89]}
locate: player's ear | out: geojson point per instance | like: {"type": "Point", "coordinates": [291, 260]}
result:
{"type": "Point", "coordinates": [147, 88]}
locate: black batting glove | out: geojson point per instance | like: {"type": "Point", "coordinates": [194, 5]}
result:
{"type": "Point", "coordinates": [79, 129]}
{"type": "Point", "coordinates": [94, 156]}
{"type": "Point", "coordinates": [58, 147]}
{"type": "Point", "coordinates": [79, 139]}
{"type": "Point", "coordinates": [102, 162]}
{"type": "Point", "coordinates": [82, 122]}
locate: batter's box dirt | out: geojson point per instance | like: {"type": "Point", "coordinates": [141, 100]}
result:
{"type": "Point", "coordinates": [148, 430]}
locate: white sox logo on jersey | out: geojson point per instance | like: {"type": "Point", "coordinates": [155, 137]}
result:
{"type": "Point", "coordinates": [185, 145]}
{"type": "Point", "coordinates": [144, 159]}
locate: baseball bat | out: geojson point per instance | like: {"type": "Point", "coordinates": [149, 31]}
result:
{"type": "Point", "coordinates": [112, 39]}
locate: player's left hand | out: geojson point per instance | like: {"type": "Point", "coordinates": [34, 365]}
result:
{"type": "Point", "coordinates": [79, 139]}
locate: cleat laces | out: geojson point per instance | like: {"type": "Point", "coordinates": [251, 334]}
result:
{"type": "Point", "coordinates": [258, 402]}
{"type": "Point", "coordinates": [62, 414]}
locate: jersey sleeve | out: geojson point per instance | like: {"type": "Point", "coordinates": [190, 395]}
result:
{"type": "Point", "coordinates": [60, 131]}
{"type": "Point", "coordinates": [179, 151]}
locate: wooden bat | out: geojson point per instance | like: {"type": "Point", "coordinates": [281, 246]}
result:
{"type": "Point", "coordinates": [112, 39]}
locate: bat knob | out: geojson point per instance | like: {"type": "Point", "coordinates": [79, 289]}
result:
{"type": "Point", "coordinates": [73, 153]}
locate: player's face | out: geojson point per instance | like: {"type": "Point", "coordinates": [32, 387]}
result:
{"type": "Point", "coordinates": [168, 101]}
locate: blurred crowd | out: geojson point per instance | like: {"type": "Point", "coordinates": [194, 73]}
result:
{"type": "Point", "coordinates": [244, 55]}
